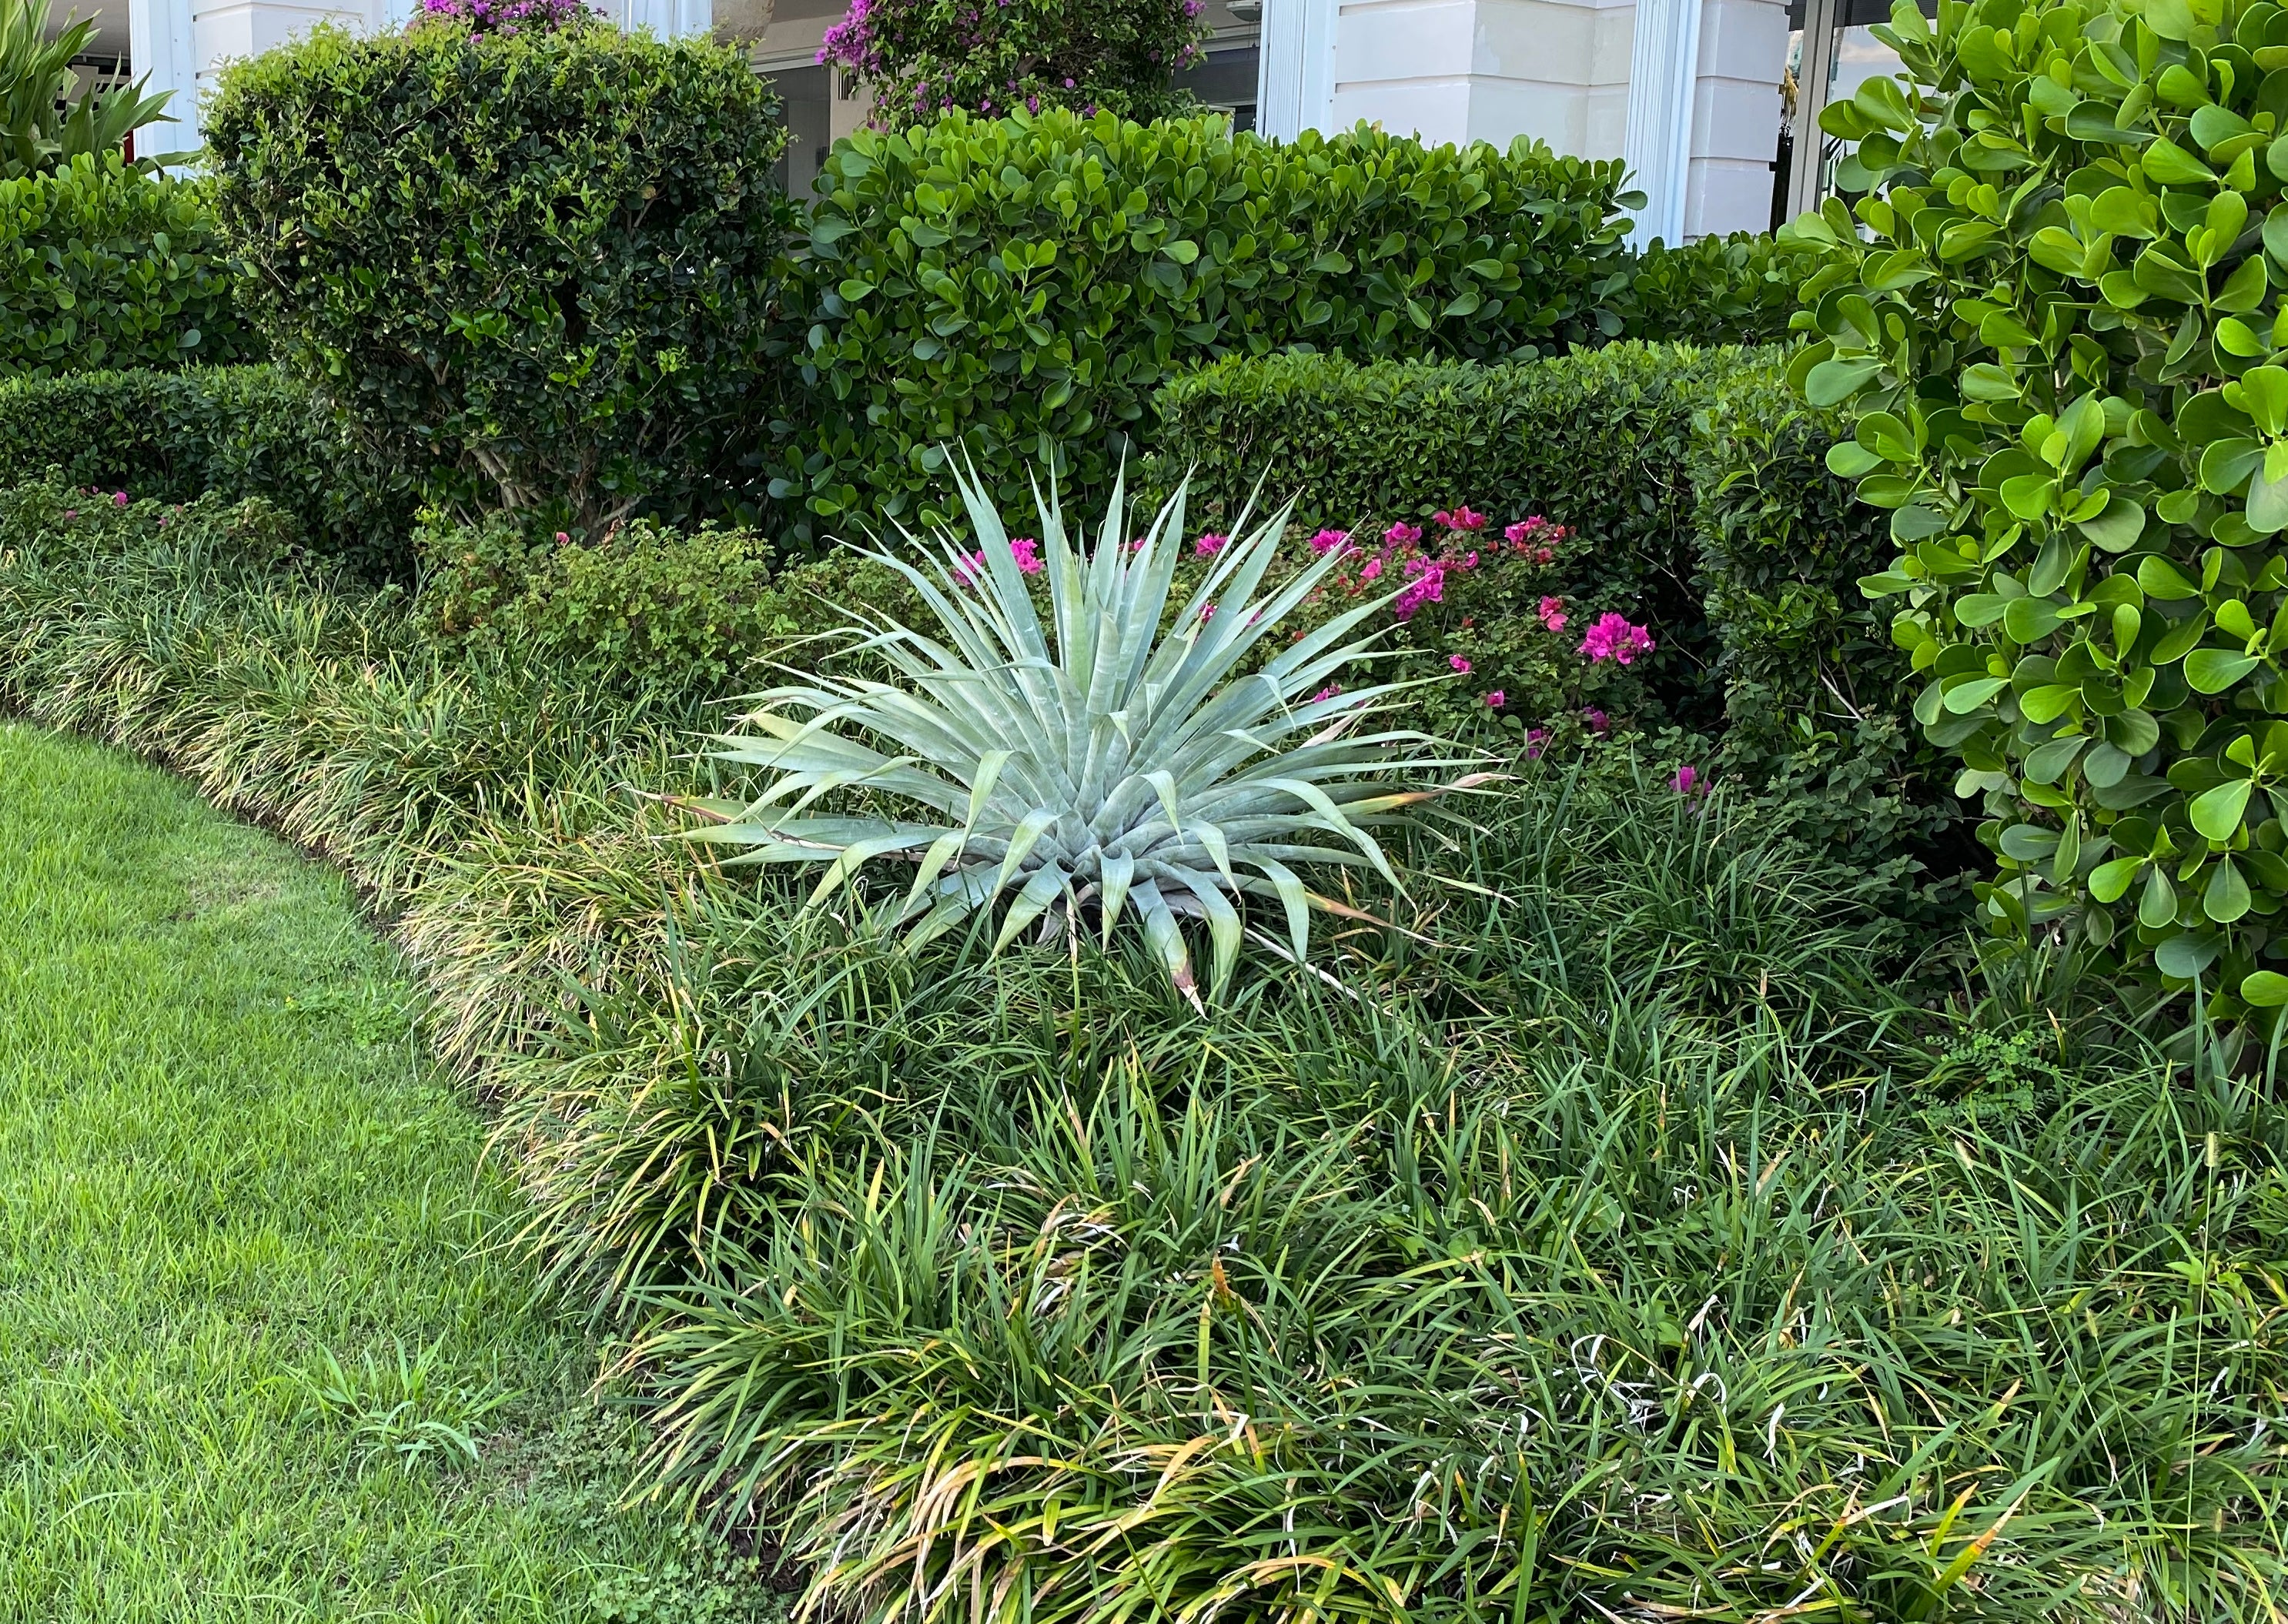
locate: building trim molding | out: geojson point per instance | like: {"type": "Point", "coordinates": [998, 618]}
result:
{"type": "Point", "coordinates": [1663, 84]}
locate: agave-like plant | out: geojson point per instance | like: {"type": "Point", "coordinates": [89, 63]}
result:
{"type": "Point", "coordinates": [1110, 761]}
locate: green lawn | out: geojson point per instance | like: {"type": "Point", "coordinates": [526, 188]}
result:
{"type": "Point", "coordinates": [220, 1160]}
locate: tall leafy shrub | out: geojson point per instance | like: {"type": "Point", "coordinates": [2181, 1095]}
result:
{"type": "Point", "coordinates": [104, 265]}
{"type": "Point", "coordinates": [534, 268]}
{"type": "Point", "coordinates": [2060, 326]}
{"type": "Point", "coordinates": [1025, 284]}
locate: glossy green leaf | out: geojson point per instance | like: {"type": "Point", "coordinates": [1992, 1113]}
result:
{"type": "Point", "coordinates": [2212, 671]}
{"type": "Point", "coordinates": [2217, 813]}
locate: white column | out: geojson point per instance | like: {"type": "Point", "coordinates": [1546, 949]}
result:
{"type": "Point", "coordinates": [1295, 66]}
{"type": "Point", "coordinates": [160, 45]}
{"type": "Point", "coordinates": [668, 19]}
{"type": "Point", "coordinates": [1484, 70]}
{"type": "Point", "coordinates": [1664, 77]}
{"type": "Point", "coordinates": [1736, 128]}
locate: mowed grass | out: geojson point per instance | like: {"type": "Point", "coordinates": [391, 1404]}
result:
{"type": "Point", "coordinates": [222, 1162]}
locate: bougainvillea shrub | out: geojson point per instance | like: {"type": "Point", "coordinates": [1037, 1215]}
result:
{"type": "Point", "coordinates": [923, 57]}
{"type": "Point", "coordinates": [2058, 321]}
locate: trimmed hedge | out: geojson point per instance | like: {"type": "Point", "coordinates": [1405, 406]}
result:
{"type": "Point", "coordinates": [1694, 484]}
{"type": "Point", "coordinates": [1599, 442]}
{"type": "Point", "coordinates": [1814, 689]}
{"type": "Point", "coordinates": [102, 265]}
{"type": "Point", "coordinates": [1024, 285]}
{"type": "Point", "coordinates": [234, 432]}
{"type": "Point", "coordinates": [535, 268]}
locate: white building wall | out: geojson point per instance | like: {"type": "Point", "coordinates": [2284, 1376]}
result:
{"type": "Point", "coordinates": [183, 44]}
{"type": "Point", "coordinates": [1486, 70]}
{"type": "Point", "coordinates": [1735, 126]}
{"type": "Point", "coordinates": [1568, 72]}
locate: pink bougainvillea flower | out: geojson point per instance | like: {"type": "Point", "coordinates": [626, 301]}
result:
{"type": "Point", "coordinates": [1496, 700]}
{"type": "Point", "coordinates": [120, 500]}
{"type": "Point", "coordinates": [1689, 780]}
{"type": "Point", "coordinates": [71, 512]}
{"type": "Point", "coordinates": [1207, 613]}
{"type": "Point", "coordinates": [1463, 517]}
{"type": "Point", "coordinates": [1403, 535]}
{"type": "Point", "coordinates": [561, 538]}
{"type": "Point", "coordinates": [1519, 534]}
{"type": "Point", "coordinates": [1535, 740]}
{"type": "Point", "coordinates": [1210, 544]}
{"type": "Point", "coordinates": [1426, 585]}
{"type": "Point", "coordinates": [1598, 721]}
{"type": "Point", "coordinates": [1027, 552]}
{"type": "Point", "coordinates": [1372, 569]}
{"type": "Point", "coordinates": [1327, 693]}
{"type": "Point", "coordinates": [1614, 638]}
{"type": "Point", "coordinates": [1553, 614]}
{"type": "Point", "coordinates": [1458, 664]}
{"type": "Point", "coordinates": [1327, 541]}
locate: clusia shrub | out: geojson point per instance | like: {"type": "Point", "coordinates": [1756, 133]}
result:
{"type": "Point", "coordinates": [993, 56]}
{"type": "Point", "coordinates": [2057, 318]}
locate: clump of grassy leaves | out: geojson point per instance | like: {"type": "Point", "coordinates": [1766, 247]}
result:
{"type": "Point", "coordinates": [1604, 1236]}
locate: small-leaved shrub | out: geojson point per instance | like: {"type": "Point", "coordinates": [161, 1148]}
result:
{"type": "Point", "coordinates": [103, 265]}
{"type": "Point", "coordinates": [2059, 326]}
{"type": "Point", "coordinates": [1023, 285]}
{"type": "Point", "coordinates": [1736, 289]}
{"type": "Point", "coordinates": [235, 432]}
{"type": "Point", "coordinates": [639, 606]}
{"type": "Point", "coordinates": [533, 270]}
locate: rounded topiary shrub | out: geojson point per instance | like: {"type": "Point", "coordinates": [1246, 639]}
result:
{"type": "Point", "coordinates": [533, 267]}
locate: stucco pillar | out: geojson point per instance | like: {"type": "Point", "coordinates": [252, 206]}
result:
{"type": "Point", "coordinates": [160, 46]}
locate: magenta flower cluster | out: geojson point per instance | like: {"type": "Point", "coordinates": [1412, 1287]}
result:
{"type": "Point", "coordinates": [970, 567]}
{"type": "Point", "coordinates": [1613, 637]}
{"type": "Point", "coordinates": [509, 17]}
{"type": "Point", "coordinates": [994, 56]}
